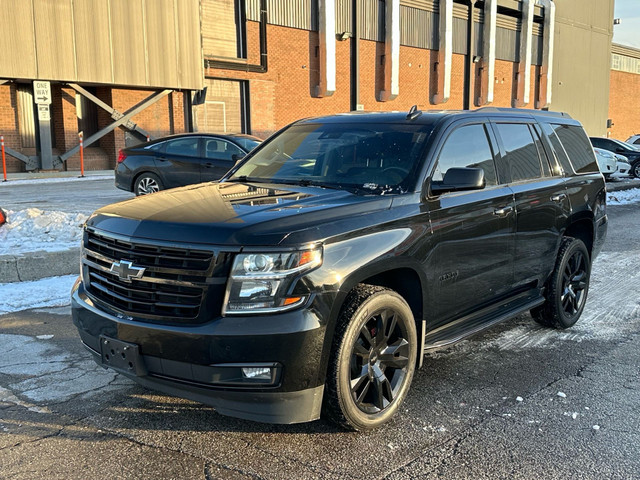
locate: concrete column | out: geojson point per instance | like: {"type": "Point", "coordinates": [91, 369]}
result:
{"type": "Point", "coordinates": [488, 65]}
{"type": "Point", "coordinates": [445, 52]}
{"type": "Point", "coordinates": [524, 65]}
{"type": "Point", "coordinates": [391, 51]}
{"type": "Point", "coordinates": [327, 47]}
{"type": "Point", "coordinates": [546, 69]}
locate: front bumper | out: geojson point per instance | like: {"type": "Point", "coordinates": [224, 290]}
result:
{"type": "Point", "coordinates": [190, 360]}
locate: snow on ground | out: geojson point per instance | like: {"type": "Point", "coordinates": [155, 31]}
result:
{"type": "Point", "coordinates": [623, 197]}
{"type": "Point", "coordinates": [47, 292]}
{"type": "Point", "coordinates": [31, 181]}
{"type": "Point", "coordinates": [33, 229]}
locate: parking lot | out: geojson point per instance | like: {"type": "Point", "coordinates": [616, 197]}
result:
{"type": "Point", "coordinates": [517, 401]}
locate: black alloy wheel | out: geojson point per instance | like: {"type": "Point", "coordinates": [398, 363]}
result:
{"type": "Point", "coordinates": [373, 358]}
{"type": "Point", "coordinates": [574, 284]}
{"type": "Point", "coordinates": [379, 360]}
{"type": "Point", "coordinates": [567, 288]}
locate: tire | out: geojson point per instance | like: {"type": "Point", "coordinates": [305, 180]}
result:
{"type": "Point", "coordinates": [635, 169]}
{"type": "Point", "coordinates": [147, 183]}
{"type": "Point", "coordinates": [373, 359]}
{"type": "Point", "coordinates": [567, 289]}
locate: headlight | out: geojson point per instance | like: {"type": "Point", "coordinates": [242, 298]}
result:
{"type": "Point", "coordinates": [259, 282]}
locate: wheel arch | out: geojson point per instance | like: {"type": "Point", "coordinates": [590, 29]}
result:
{"type": "Point", "coordinates": [582, 228]}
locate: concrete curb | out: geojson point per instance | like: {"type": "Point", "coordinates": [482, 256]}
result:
{"type": "Point", "coordinates": [36, 265]}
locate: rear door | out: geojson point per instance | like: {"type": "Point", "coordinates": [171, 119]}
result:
{"type": "Point", "coordinates": [219, 156]}
{"type": "Point", "coordinates": [181, 161]}
{"type": "Point", "coordinates": [541, 202]}
{"type": "Point", "coordinates": [471, 261]}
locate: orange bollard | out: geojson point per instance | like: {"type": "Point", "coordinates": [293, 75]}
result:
{"type": "Point", "coordinates": [81, 155]}
{"type": "Point", "coordinates": [4, 162]}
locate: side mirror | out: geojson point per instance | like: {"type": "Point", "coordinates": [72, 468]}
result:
{"type": "Point", "coordinates": [459, 179]}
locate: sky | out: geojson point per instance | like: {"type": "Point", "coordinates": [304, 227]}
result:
{"type": "Point", "coordinates": [628, 32]}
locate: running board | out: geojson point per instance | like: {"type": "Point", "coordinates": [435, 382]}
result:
{"type": "Point", "coordinates": [472, 324]}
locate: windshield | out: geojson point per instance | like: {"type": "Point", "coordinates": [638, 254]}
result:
{"type": "Point", "coordinates": [359, 156]}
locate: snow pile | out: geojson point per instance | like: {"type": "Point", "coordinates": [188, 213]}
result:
{"type": "Point", "coordinates": [623, 197]}
{"type": "Point", "coordinates": [33, 229]}
{"type": "Point", "coordinates": [48, 292]}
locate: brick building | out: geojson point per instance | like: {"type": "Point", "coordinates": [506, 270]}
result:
{"type": "Point", "coordinates": [266, 63]}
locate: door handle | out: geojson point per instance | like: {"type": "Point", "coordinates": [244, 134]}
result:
{"type": "Point", "coordinates": [503, 212]}
{"type": "Point", "coordinates": [558, 198]}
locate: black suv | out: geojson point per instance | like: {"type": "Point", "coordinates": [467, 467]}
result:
{"type": "Point", "coordinates": [622, 148]}
{"type": "Point", "coordinates": [316, 273]}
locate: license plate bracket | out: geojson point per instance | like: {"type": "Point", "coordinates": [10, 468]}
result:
{"type": "Point", "coordinates": [122, 356]}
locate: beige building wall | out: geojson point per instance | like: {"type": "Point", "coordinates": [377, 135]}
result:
{"type": "Point", "coordinates": [137, 43]}
{"type": "Point", "coordinates": [581, 62]}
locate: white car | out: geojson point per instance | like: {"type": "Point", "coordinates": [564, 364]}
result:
{"type": "Point", "coordinates": [634, 140]}
{"type": "Point", "coordinates": [606, 162]}
{"type": "Point", "coordinates": [623, 167]}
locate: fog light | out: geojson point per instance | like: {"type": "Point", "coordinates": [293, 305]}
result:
{"type": "Point", "coordinates": [257, 373]}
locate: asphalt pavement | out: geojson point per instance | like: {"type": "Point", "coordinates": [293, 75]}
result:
{"type": "Point", "coordinates": [518, 402]}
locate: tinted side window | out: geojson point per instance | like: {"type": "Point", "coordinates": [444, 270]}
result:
{"type": "Point", "coordinates": [576, 144]}
{"type": "Point", "coordinates": [221, 149]}
{"type": "Point", "coordinates": [599, 142]}
{"type": "Point", "coordinates": [467, 146]}
{"type": "Point", "coordinates": [558, 149]}
{"type": "Point", "coordinates": [521, 152]}
{"type": "Point", "coordinates": [183, 146]}
{"type": "Point", "coordinates": [156, 146]}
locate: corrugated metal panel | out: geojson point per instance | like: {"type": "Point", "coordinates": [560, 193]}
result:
{"type": "Point", "coordinates": [372, 20]}
{"type": "Point", "coordinates": [16, 40]}
{"type": "Point", "coordinates": [343, 16]}
{"type": "Point", "coordinates": [92, 40]}
{"type": "Point", "coordinates": [103, 41]}
{"type": "Point", "coordinates": [26, 120]}
{"type": "Point", "coordinates": [190, 65]}
{"type": "Point", "coordinates": [54, 37]}
{"type": "Point", "coordinates": [507, 44]}
{"type": "Point", "coordinates": [459, 35]}
{"type": "Point", "coordinates": [162, 55]}
{"type": "Point", "coordinates": [293, 13]}
{"type": "Point", "coordinates": [418, 28]}
{"type": "Point", "coordinates": [253, 10]}
{"type": "Point", "coordinates": [128, 42]}
{"type": "Point", "coordinates": [429, 5]}
{"type": "Point", "coordinates": [219, 31]}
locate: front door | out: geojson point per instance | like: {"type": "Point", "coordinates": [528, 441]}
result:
{"type": "Point", "coordinates": [219, 156]}
{"type": "Point", "coordinates": [471, 260]}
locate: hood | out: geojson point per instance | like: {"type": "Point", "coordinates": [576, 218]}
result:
{"type": "Point", "coordinates": [238, 214]}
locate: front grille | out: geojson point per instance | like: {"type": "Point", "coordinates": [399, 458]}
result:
{"type": "Point", "coordinates": [178, 282]}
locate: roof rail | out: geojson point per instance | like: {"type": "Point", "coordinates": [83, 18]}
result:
{"type": "Point", "coordinates": [522, 110]}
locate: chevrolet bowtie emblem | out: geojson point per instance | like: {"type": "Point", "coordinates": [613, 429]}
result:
{"type": "Point", "coordinates": [125, 270]}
